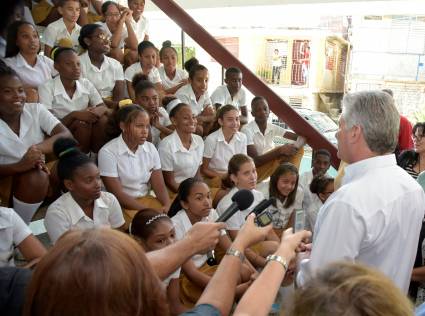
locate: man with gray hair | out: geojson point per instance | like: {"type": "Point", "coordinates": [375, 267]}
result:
{"type": "Point", "coordinates": [376, 215]}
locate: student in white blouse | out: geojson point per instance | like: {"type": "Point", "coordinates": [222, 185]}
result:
{"type": "Point", "coordinates": [14, 233]}
{"type": "Point", "coordinates": [232, 93]}
{"type": "Point", "coordinates": [181, 152]}
{"type": "Point", "coordinates": [139, 22]}
{"type": "Point", "coordinates": [84, 205]}
{"type": "Point", "coordinates": [65, 31]}
{"type": "Point", "coordinates": [75, 101]}
{"type": "Point", "coordinates": [23, 146]}
{"type": "Point", "coordinates": [22, 54]}
{"type": "Point", "coordinates": [105, 73]}
{"type": "Point", "coordinates": [148, 98]}
{"type": "Point", "coordinates": [130, 166]}
{"type": "Point", "coordinates": [376, 215]}
{"type": "Point", "coordinates": [172, 77]}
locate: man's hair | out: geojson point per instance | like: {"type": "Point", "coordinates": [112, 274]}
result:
{"type": "Point", "coordinates": [232, 70]}
{"type": "Point", "coordinates": [376, 114]}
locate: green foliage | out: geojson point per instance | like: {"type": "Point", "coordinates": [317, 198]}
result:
{"type": "Point", "coordinates": [189, 53]}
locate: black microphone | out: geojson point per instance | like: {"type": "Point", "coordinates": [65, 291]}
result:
{"type": "Point", "coordinates": [241, 200]}
{"type": "Point", "coordinates": [262, 206]}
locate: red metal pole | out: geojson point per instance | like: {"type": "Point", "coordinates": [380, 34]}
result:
{"type": "Point", "coordinates": [314, 138]}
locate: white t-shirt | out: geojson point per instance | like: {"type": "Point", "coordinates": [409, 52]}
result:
{"type": "Point", "coordinates": [65, 214]}
{"type": "Point", "coordinates": [103, 79]}
{"type": "Point", "coordinates": [175, 157]}
{"type": "Point", "coordinates": [141, 28]}
{"type": "Point", "coordinates": [56, 31]}
{"type": "Point", "coordinates": [168, 83]}
{"type": "Point", "coordinates": [182, 225]}
{"type": "Point", "coordinates": [134, 170]}
{"type": "Point", "coordinates": [124, 33]}
{"type": "Point", "coordinates": [222, 96]}
{"type": "Point", "coordinates": [282, 214]}
{"type": "Point", "coordinates": [36, 122]}
{"type": "Point", "coordinates": [238, 219]}
{"type": "Point", "coordinates": [136, 68]}
{"type": "Point", "coordinates": [13, 231]}
{"type": "Point", "coordinates": [186, 95]}
{"type": "Point", "coordinates": [42, 71]}
{"type": "Point", "coordinates": [53, 95]}
{"type": "Point", "coordinates": [263, 143]}
{"type": "Point", "coordinates": [220, 152]}
{"type": "Point", "coordinates": [164, 120]}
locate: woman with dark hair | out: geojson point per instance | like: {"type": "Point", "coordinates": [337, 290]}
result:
{"type": "Point", "coordinates": [22, 54]}
{"type": "Point", "coordinates": [413, 161]}
{"type": "Point", "coordinates": [105, 73]}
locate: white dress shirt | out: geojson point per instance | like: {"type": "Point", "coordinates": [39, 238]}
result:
{"type": "Point", "coordinates": [220, 152]}
{"type": "Point", "coordinates": [175, 157]}
{"type": "Point", "coordinates": [13, 231]}
{"type": "Point", "coordinates": [168, 83]}
{"type": "Point", "coordinates": [164, 120]}
{"type": "Point", "coordinates": [57, 31]}
{"type": "Point", "coordinates": [141, 27]}
{"type": "Point", "coordinates": [134, 170]}
{"type": "Point", "coordinates": [374, 218]}
{"type": "Point", "coordinates": [103, 79]}
{"type": "Point", "coordinates": [263, 143]}
{"type": "Point", "coordinates": [136, 68]}
{"type": "Point", "coordinates": [36, 122]}
{"type": "Point", "coordinates": [42, 71]}
{"type": "Point", "coordinates": [186, 95]}
{"type": "Point", "coordinates": [304, 182]}
{"type": "Point", "coordinates": [238, 219]}
{"type": "Point", "coordinates": [65, 214]}
{"type": "Point", "coordinates": [53, 95]}
{"type": "Point", "coordinates": [222, 96]}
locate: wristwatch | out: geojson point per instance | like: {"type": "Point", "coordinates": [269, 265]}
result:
{"type": "Point", "coordinates": [279, 259]}
{"type": "Point", "coordinates": [236, 253]}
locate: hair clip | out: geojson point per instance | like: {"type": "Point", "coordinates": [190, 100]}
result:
{"type": "Point", "coordinates": [153, 219]}
{"type": "Point", "coordinates": [124, 103]}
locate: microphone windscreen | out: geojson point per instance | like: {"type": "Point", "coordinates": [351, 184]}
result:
{"type": "Point", "coordinates": [243, 198]}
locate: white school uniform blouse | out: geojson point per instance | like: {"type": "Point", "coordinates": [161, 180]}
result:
{"type": "Point", "coordinates": [176, 158]}
{"type": "Point", "coordinates": [13, 231]}
{"type": "Point", "coordinates": [304, 182]}
{"type": "Point", "coordinates": [104, 78]}
{"type": "Point", "coordinates": [238, 219]}
{"type": "Point", "coordinates": [65, 214]}
{"type": "Point", "coordinates": [263, 143]}
{"type": "Point", "coordinates": [124, 33]}
{"type": "Point", "coordinates": [141, 27]}
{"type": "Point", "coordinates": [53, 95]}
{"type": "Point", "coordinates": [134, 170]}
{"type": "Point", "coordinates": [42, 71]}
{"type": "Point", "coordinates": [222, 96]}
{"type": "Point", "coordinates": [36, 122]}
{"type": "Point", "coordinates": [374, 218]}
{"type": "Point", "coordinates": [168, 83]}
{"type": "Point", "coordinates": [282, 214]}
{"type": "Point", "coordinates": [182, 225]}
{"type": "Point", "coordinates": [186, 95]}
{"type": "Point", "coordinates": [136, 68]}
{"type": "Point", "coordinates": [312, 211]}
{"type": "Point", "coordinates": [57, 31]}
{"type": "Point", "coordinates": [164, 120]}
{"type": "Point", "coordinates": [219, 151]}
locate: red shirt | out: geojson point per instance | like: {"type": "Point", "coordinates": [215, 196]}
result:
{"type": "Point", "coordinates": [405, 134]}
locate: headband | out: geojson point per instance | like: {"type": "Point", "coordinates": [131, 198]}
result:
{"type": "Point", "coordinates": [67, 151]}
{"type": "Point", "coordinates": [172, 104]}
{"type": "Point", "coordinates": [150, 221]}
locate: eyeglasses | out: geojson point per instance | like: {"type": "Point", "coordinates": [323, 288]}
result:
{"type": "Point", "coordinates": [103, 37]}
{"type": "Point", "coordinates": [417, 137]}
{"type": "Point", "coordinates": [113, 14]}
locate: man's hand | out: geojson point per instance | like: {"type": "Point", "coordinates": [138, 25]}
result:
{"type": "Point", "coordinates": [204, 236]}
{"type": "Point", "coordinates": [288, 150]}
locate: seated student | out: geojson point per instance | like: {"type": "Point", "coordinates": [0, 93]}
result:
{"type": "Point", "coordinates": [75, 101]}
{"type": "Point", "coordinates": [243, 175]}
{"type": "Point", "coordinates": [14, 233]}
{"type": "Point", "coordinates": [65, 31]}
{"type": "Point", "coordinates": [156, 231]}
{"type": "Point", "coordinates": [23, 46]}
{"type": "Point", "coordinates": [321, 187]}
{"type": "Point", "coordinates": [117, 25]}
{"type": "Point", "coordinates": [260, 134]}
{"type": "Point", "coordinates": [222, 144]}
{"type": "Point", "coordinates": [84, 205]}
{"type": "Point", "coordinates": [284, 187]}
{"type": "Point", "coordinates": [45, 12]}
{"type": "Point", "coordinates": [23, 128]}
{"type": "Point", "coordinates": [146, 66]}
{"type": "Point", "coordinates": [195, 93]}
{"type": "Point", "coordinates": [232, 93]}
{"type": "Point", "coordinates": [172, 77]}
{"type": "Point", "coordinates": [147, 96]}
{"type": "Point", "coordinates": [139, 22]}
{"type": "Point", "coordinates": [104, 72]}
{"type": "Point", "coordinates": [321, 161]}
{"type": "Point", "coordinates": [130, 166]}
{"type": "Point", "coordinates": [181, 152]}
{"type": "Point", "coordinates": [194, 204]}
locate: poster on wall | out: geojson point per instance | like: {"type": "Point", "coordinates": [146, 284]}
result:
{"type": "Point", "coordinates": [275, 62]}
